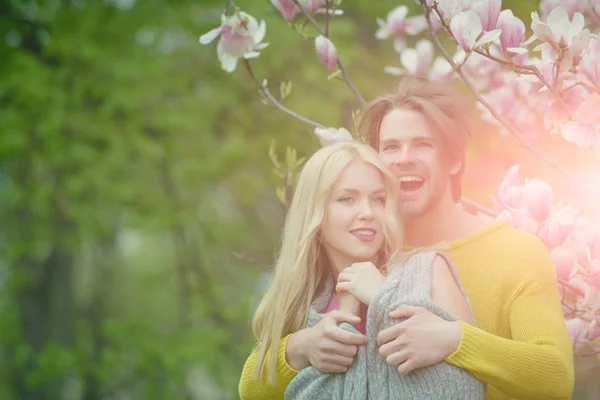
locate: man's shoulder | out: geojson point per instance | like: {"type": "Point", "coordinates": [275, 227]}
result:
{"type": "Point", "coordinates": [518, 250]}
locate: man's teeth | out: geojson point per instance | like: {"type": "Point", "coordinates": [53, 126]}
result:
{"type": "Point", "coordinates": [411, 179]}
{"type": "Point", "coordinates": [364, 233]}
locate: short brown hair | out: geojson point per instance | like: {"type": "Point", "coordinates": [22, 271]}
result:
{"type": "Point", "coordinates": [445, 108]}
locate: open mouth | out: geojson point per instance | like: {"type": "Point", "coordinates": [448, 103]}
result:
{"type": "Point", "coordinates": [411, 183]}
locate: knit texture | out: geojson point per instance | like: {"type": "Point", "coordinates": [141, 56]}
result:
{"type": "Point", "coordinates": [369, 376]}
{"type": "Point", "coordinates": [520, 347]}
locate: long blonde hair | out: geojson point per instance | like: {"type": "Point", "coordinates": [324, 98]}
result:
{"type": "Point", "coordinates": [302, 265]}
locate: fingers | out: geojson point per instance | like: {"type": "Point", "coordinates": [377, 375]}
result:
{"type": "Point", "coordinates": [345, 276]}
{"type": "Point", "coordinates": [396, 359]}
{"type": "Point", "coordinates": [406, 367]}
{"type": "Point", "coordinates": [389, 334]}
{"type": "Point", "coordinates": [405, 312]}
{"type": "Point", "coordinates": [348, 338]}
{"type": "Point", "coordinates": [344, 286]}
{"type": "Point", "coordinates": [339, 316]}
{"type": "Point", "coordinates": [330, 368]}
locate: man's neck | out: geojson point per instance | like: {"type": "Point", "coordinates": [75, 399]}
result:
{"type": "Point", "coordinates": [446, 222]}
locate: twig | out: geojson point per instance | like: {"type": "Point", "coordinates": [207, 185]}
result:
{"type": "Point", "coordinates": [507, 124]}
{"type": "Point", "coordinates": [340, 65]}
{"type": "Point", "coordinates": [276, 103]}
{"type": "Point", "coordinates": [327, 16]}
{"type": "Point", "coordinates": [569, 286]}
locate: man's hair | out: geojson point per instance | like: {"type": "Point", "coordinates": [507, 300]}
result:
{"type": "Point", "coordinates": [446, 109]}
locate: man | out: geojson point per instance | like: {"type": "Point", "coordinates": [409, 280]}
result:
{"type": "Point", "coordinates": [520, 346]}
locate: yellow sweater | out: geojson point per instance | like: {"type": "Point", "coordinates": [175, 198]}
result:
{"type": "Point", "coordinates": [520, 347]}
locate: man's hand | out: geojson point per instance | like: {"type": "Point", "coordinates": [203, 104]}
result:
{"type": "Point", "coordinates": [325, 346]}
{"type": "Point", "coordinates": [362, 279]}
{"type": "Point", "coordinates": [423, 339]}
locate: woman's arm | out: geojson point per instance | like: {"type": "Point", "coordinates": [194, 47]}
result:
{"type": "Point", "coordinates": [445, 291]}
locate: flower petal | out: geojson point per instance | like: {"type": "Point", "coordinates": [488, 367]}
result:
{"type": "Point", "coordinates": [210, 36]}
{"type": "Point", "coordinates": [261, 32]}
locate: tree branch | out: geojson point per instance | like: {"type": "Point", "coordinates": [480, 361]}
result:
{"type": "Point", "coordinates": [276, 103]}
{"type": "Point", "coordinates": [340, 65]}
{"type": "Point", "coordinates": [507, 124]}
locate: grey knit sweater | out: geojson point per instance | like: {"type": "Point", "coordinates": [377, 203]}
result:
{"type": "Point", "coordinates": [369, 376]}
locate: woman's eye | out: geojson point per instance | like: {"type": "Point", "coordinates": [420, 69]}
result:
{"type": "Point", "coordinates": [424, 144]}
{"type": "Point", "coordinates": [389, 147]}
{"type": "Point", "coordinates": [345, 199]}
{"type": "Point", "coordinates": [379, 200]}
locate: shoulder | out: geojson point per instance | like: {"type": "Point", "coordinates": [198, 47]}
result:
{"type": "Point", "coordinates": [446, 289]}
{"type": "Point", "coordinates": [522, 253]}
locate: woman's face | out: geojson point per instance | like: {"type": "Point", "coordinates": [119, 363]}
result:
{"type": "Point", "coordinates": [353, 227]}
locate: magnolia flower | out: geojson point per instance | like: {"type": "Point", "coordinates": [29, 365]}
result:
{"type": "Point", "coordinates": [519, 218]}
{"type": "Point", "coordinates": [513, 32]}
{"type": "Point", "coordinates": [510, 191]}
{"type": "Point", "coordinates": [241, 37]}
{"type": "Point", "coordinates": [415, 61]}
{"type": "Point", "coordinates": [564, 261]}
{"type": "Point", "coordinates": [327, 53]}
{"type": "Point", "coordinates": [467, 29]}
{"type": "Point", "coordinates": [537, 198]}
{"type": "Point", "coordinates": [570, 6]}
{"type": "Point", "coordinates": [289, 10]}
{"type": "Point", "coordinates": [488, 12]}
{"type": "Point", "coordinates": [397, 25]}
{"type": "Point", "coordinates": [584, 129]}
{"type": "Point", "coordinates": [558, 226]}
{"type": "Point", "coordinates": [329, 136]}
{"type": "Point", "coordinates": [577, 329]}
{"type": "Point", "coordinates": [588, 70]}
{"type": "Point", "coordinates": [558, 30]}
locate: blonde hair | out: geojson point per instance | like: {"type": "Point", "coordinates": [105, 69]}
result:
{"type": "Point", "coordinates": [302, 265]}
{"type": "Point", "coordinates": [447, 111]}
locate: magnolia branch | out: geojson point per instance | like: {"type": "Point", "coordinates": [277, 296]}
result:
{"type": "Point", "coordinates": [521, 69]}
{"type": "Point", "coordinates": [263, 88]}
{"type": "Point", "coordinates": [507, 124]}
{"type": "Point", "coordinates": [339, 62]}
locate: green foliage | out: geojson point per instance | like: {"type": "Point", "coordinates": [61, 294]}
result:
{"type": "Point", "coordinates": [138, 205]}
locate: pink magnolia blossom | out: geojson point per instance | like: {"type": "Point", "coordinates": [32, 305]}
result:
{"type": "Point", "coordinates": [584, 130]}
{"type": "Point", "coordinates": [564, 261]}
{"type": "Point", "coordinates": [467, 29]}
{"type": "Point", "coordinates": [327, 53]}
{"type": "Point", "coordinates": [570, 6]}
{"type": "Point", "coordinates": [415, 61]}
{"type": "Point", "coordinates": [488, 12]}
{"type": "Point", "coordinates": [558, 30]}
{"type": "Point", "coordinates": [537, 198]}
{"type": "Point", "coordinates": [519, 218]}
{"type": "Point", "coordinates": [329, 136]}
{"type": "Point", "coordinates": [558, 226]}
{"type": "Point", "coordinates": [397, 25]}
{"type": "Point", "coordinates": [241, 37]}
{"type": "Point", "coordinates": [510, 191]}
{"type": "Point", "coordinates": [577, 329]}
{"type": "Point", "coordinates": [589, 66]}
{"type": "Point", "coordinates": [290, 10]}
{"type": "Point", "coordinates": [513, 32]}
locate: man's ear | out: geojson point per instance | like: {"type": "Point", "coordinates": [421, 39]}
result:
{"type": "Point", "coordinates": [455, 166]}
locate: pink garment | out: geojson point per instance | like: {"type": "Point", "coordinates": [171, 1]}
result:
{"type": "Point", "coordinates": [334, 304]}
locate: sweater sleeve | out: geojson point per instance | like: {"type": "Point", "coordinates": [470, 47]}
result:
{"type": "Point", "coordinates": [537, 363]}
{"type": "Point", "coordinates": [312, 384]}
{"type": "Point", "coordinates": [252, 389]}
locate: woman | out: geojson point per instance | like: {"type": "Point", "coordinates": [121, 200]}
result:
{"type": "Point", "coordinates": [343, 222]}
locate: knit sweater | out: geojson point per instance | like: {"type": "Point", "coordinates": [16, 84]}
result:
{"type": "Point", "coordinates": [520, 346]}
{"type": "Point", "coordinates": [370, 376]}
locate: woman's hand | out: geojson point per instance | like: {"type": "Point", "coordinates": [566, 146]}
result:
{"type": "Point", "coordinates": [363, 280]}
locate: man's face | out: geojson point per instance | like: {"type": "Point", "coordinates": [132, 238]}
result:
{"type": "Point", "coordinates": [414, 154]}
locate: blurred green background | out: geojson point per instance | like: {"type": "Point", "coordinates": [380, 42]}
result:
{"type": "Point", "coordinates": [139, 219]}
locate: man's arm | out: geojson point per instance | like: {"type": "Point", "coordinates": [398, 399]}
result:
{"type": "Point", "coordinates": [326, 346]}
{"type": "Point", "coordinates": [538, 362]}
{"type": "Point", "coordinates": [251, 389]}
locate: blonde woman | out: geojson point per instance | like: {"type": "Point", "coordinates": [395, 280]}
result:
{"type": "Point", "coordinates": [341, 237]}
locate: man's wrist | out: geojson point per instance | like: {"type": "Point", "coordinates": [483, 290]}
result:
{"type": "Point", "coordinates": [294, 351]}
